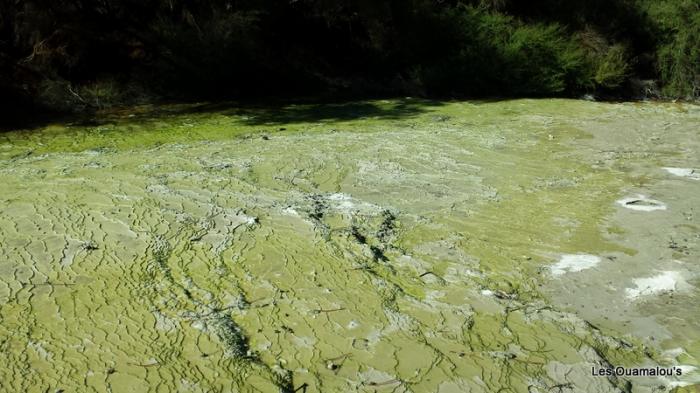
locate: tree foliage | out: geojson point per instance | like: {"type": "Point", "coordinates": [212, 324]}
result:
{"type": "Point", "coordinates": [78, 53]}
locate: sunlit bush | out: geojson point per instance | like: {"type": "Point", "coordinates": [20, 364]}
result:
{"type": "Point", "coordinates": [678, 52]}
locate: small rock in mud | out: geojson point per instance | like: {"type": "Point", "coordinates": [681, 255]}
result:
{"type": "Point", "coordinates": [360, 343]}
{"type": "Point", "coordinates": [684, 172]}
{"type": "Point", "coordinates": [641, 203]}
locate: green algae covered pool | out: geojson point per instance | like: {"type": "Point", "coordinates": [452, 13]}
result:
{"type": "Point", "coordinates": [382, 246]}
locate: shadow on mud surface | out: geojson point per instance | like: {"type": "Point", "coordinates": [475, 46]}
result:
{"type": "Point", "coordinates": [283, 113]}
{"type": "Point", "coordinates": [337, 111]}
{"type": "Point", "coordinates": [251, 114]}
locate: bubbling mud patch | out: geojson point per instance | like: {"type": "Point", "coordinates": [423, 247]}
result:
{"type": "Point", "coordinates": [668, 281]}
{"type": "Point", "coordinates": [574, 263]}
{"type": "Point", "coordinates": [641, 203]}
{"type": "Point", "coordinates": [684, 172]}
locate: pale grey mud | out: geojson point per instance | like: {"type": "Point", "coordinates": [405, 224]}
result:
{"type": "Point", "coordinates": [413, 247]}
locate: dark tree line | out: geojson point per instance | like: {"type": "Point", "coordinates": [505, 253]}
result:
{"type": "Point", "coordinates": [74, 54]}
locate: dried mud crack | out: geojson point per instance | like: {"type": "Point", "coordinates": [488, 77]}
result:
{"type": "Point", "coordinates": [472, 247]}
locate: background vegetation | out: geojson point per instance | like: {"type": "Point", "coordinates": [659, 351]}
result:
{"type": "Point", "coordinates": [78, 54]}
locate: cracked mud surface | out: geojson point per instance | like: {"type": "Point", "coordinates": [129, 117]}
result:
{"type": "Point", "coordinates": [355, 252]}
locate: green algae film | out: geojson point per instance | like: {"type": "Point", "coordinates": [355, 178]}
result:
{"type": "Point", "coordinates": [371, 247]}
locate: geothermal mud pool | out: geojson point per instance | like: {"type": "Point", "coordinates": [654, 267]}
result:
{"type": "Point", "coordinates": [389, 246]}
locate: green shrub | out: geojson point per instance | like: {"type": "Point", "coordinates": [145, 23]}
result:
{"type": "Point", "coordinates": [500, 55]}
{"type": "Point", "coordinates": [77, 54]}
{"type": "Point", "coordinates": [612, 68]}
{"type": "Point", "coordinates": [678, 53]}
{"type": "Point", "coordinates": [543, 60]}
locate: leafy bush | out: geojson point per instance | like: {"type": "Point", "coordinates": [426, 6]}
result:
{"type": "Point", "coordinates": [611, 67]}
{"type": "Point", "coordinates": [678, 54]}
{"type": "Point", "coordinates": [500, 55]}
{"type": "Point", "coordinates": [543, 59]}
{"type": "Point", "coordinates": [206, 54]}
{"type": "Point", "coordinates": [76, 54]}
